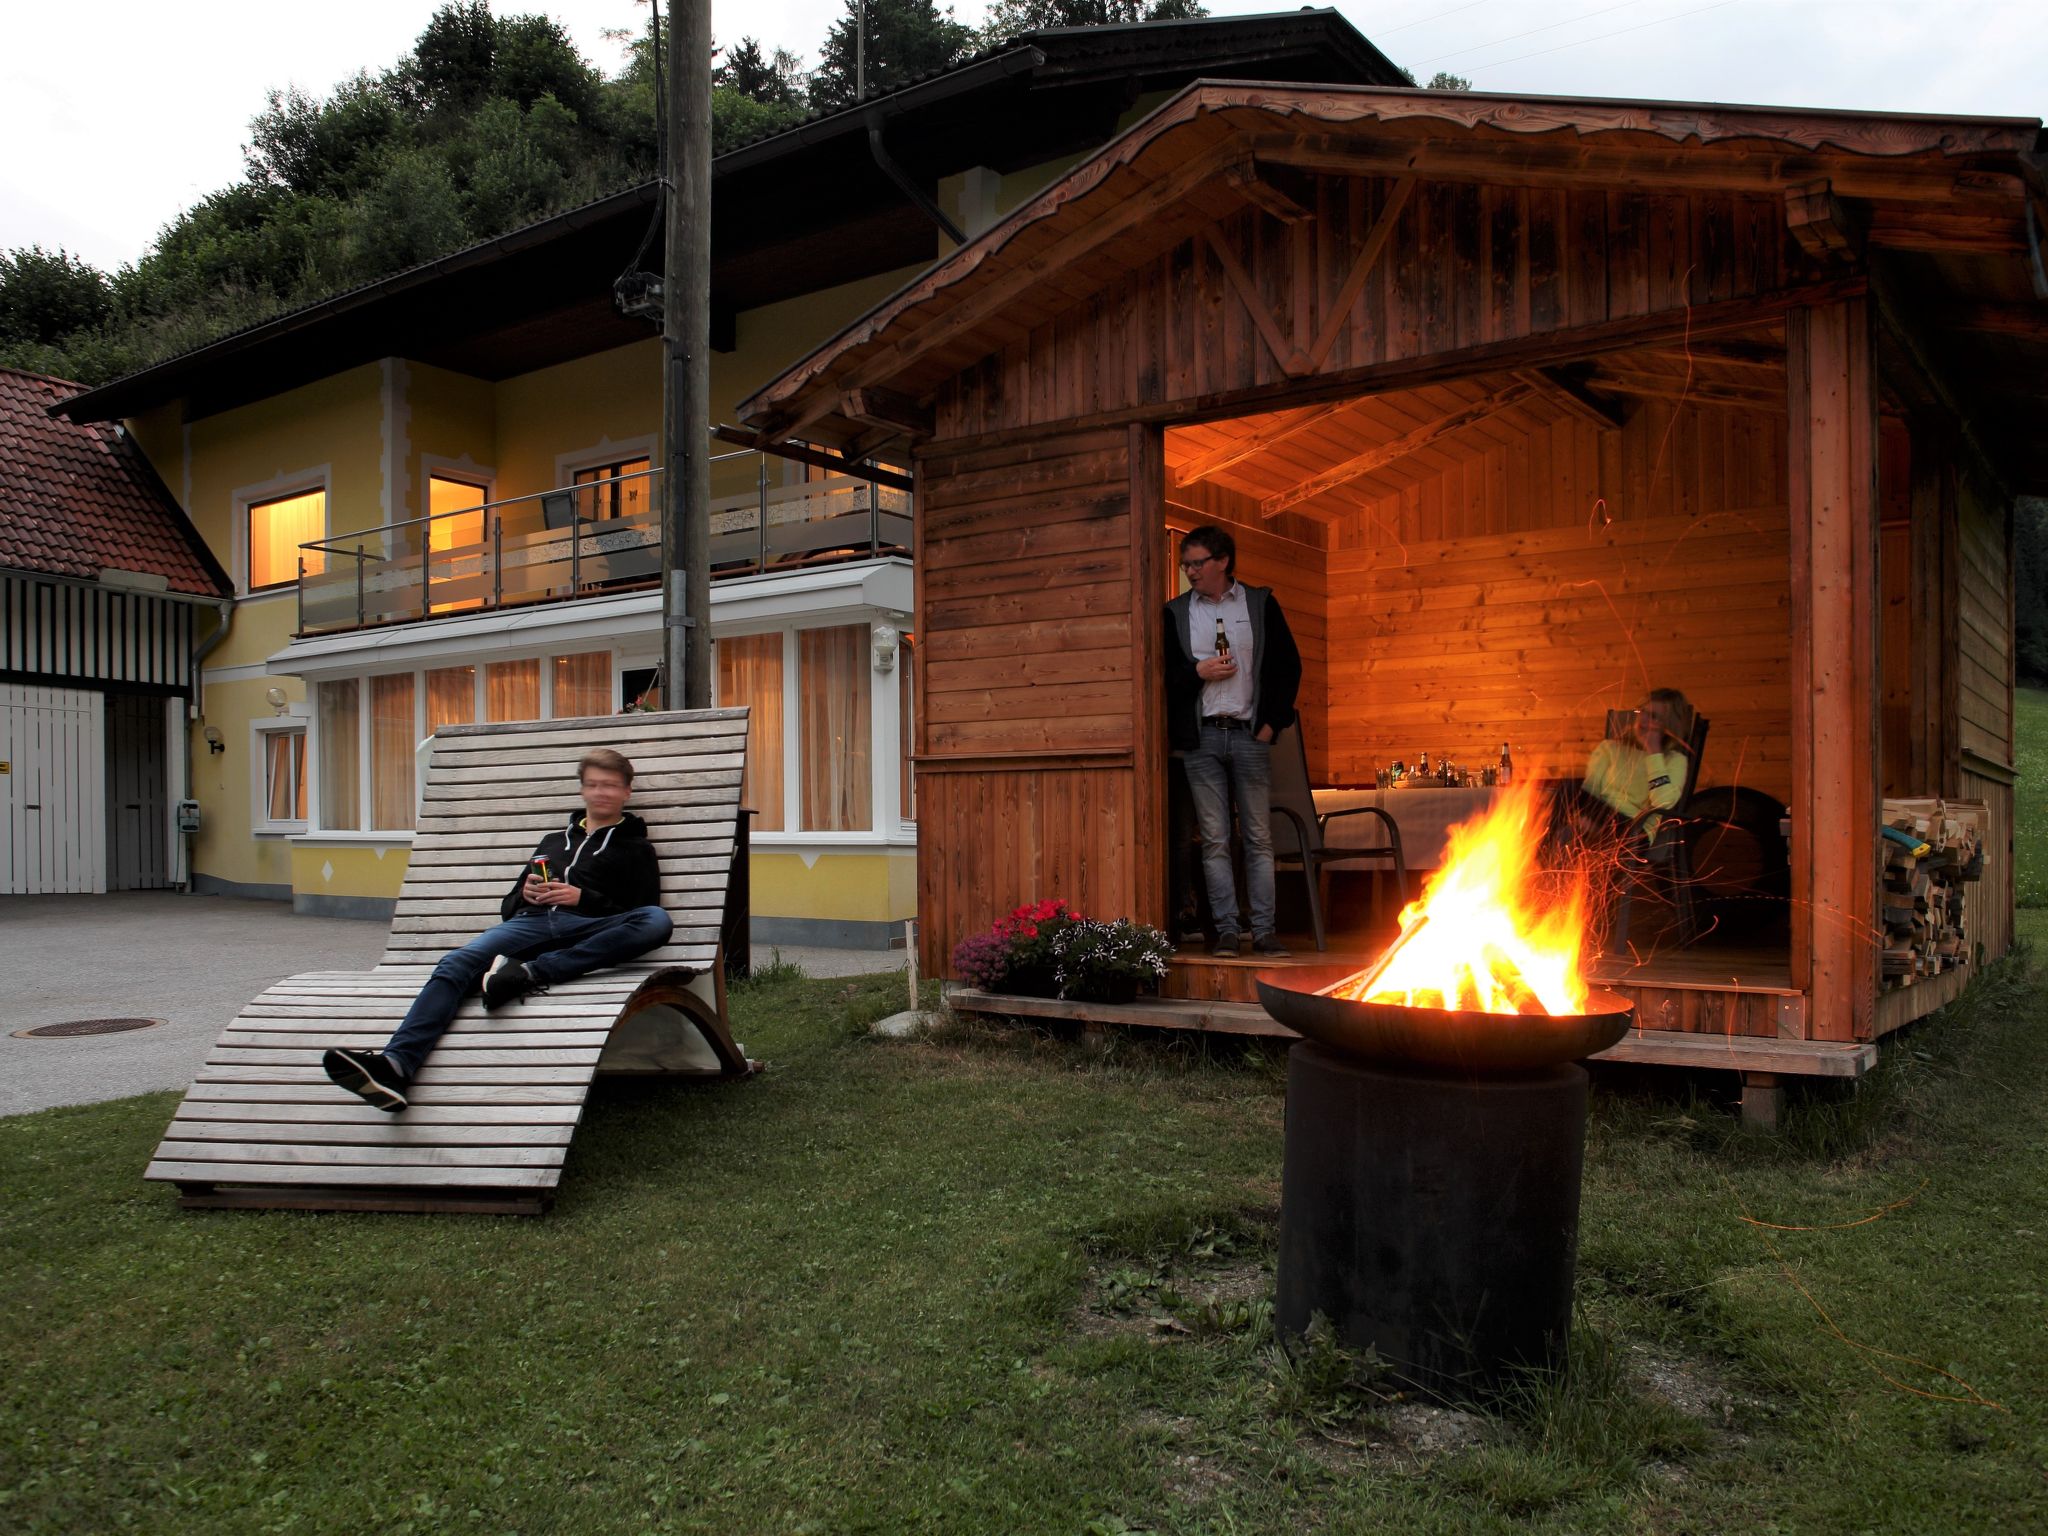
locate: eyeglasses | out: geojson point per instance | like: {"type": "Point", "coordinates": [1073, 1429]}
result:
{"type": "Point", "coordinates": [1196, 565]}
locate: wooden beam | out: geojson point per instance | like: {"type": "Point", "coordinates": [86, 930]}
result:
{"type": "Point", "coordinates": [1566, 388]}
{"type": "Point", "coordinates": [1659, 386]}
{"type": "Point", "coordinates": [2029, 322]}
{"type": "Point", "coordinates": [803, 453]}
{"type": "Point", "coordinates": [1291, 359]}
{"type": "Point", "coordinates": [1387, 453]}
{"type": "Point", "coordinates": [1282, 191]}
{"type": "Point", "coordinates": [874, 406]}
{"type": "Point", "coordinates": [1900, 317]}
{"type": "Point", "coordinates": [1254, 443]}
{"type": "Point", "coordinates": [1826, 229]}
{"type": "Point", "coordinates": [1361, 269]}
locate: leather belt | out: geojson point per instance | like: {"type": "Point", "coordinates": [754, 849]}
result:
{"type": "Point", "coordinates": [1227, 722]}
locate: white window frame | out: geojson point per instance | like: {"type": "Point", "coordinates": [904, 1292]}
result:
{"type": "Point", "coordinates": [317, 477]}
{"type": "Point", "coordinates": [297, 720]}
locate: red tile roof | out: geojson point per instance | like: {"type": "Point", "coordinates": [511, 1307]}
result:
{"type": "Point", "coordinates": [77, 499]}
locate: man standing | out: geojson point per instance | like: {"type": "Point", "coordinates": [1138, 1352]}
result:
{"type": "Point", "coordinates": [590, 896]}
{"type": "Point", "coordinates": [1232, 673]}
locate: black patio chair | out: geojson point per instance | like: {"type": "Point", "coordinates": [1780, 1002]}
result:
{"type": "Point", "coordinates": [1663, 862]}
{"type": "Point", "coordinates": [1299, 831]}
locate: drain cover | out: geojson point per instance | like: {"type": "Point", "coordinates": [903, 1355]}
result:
{"type": "Point", "coordinates": [83, 1027]}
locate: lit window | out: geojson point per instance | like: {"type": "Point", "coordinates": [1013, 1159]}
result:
{"type": "Point", "coordinates": [511, 690]}
{"type": "Point", "coordinates": [750, 675]}
{"type": "Point", "coordinates": [833, 682]}
{"type": "Point", "coordinates": [392, 744]}
{"type": "Point", "coordinates": [284, 777]}
{"type": "Point", "coordinates": [277, 529]}
{"type": "Point", "coordinates": [451, 697]}
{"type": "Point", "coordinates": [456, 508]}
{"type": "Point", "coordinates": [583, 685]}
{"type": "Point", "coordinates": [341, 807]}
{"type": "Point", "coordinates": [627, 494]}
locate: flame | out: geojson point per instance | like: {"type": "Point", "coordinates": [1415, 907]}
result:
{"type": "Point", "coordinates": [1493, 932]}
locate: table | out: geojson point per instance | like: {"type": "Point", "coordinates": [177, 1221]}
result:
{"type": "Point", "coordinates": [1424, 813]}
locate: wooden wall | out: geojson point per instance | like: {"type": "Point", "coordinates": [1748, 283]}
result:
{"type": "Point", "coordinates": [1464, 267]}
{"type": "Point", "coordinates": [1038, 601]}
{"type": "Point", "coordinates": [1521, 594]}
{"type": "Point", "coordinates": [1984, 688]}
{"type": "Point", "coordinates": [1273, 554]}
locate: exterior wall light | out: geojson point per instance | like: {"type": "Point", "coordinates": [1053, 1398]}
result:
{"type": "Point", "coordinates": [277, 700]}
{"type": "Point", "coordinates": [214, 743]}
{"type": "Point", "coordinates": [885, 641]}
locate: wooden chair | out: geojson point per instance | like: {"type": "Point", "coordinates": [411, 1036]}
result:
{"type": "Point", "coordinates": [496, 1104]}
{"type": "Point", "coordinates": [1298, 830]}
{"type": "Point", "coordinates": [1665, 859]}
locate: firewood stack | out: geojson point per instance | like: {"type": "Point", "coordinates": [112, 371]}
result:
{"type": "Point", "coordinates": [1931, 850]}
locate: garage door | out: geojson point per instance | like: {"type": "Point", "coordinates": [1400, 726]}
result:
{"type": "Point", "coordinates": [52, 796]}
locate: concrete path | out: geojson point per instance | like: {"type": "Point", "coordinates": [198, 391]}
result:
{"type": "Point", "coordinates": [192, 961]}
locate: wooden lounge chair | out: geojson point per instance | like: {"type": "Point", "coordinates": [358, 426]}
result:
{"type": "Point", "coordinates": [496, 1104]}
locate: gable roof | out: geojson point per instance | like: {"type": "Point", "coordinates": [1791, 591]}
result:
{"type": "Point", "coordinates": [801, 209]}
{"type": "Point", "coordinates": [1189, 163]}
{"type": "Point", "coordinates": [78, 499]}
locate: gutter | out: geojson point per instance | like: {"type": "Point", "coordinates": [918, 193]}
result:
{"type": "Point", "coordinates": [224, 607]}
{"type": "Point", "coordinates": [904, 184]}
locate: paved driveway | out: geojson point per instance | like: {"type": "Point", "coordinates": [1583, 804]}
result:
{"type": "Point", "coordinates": [192, 961]}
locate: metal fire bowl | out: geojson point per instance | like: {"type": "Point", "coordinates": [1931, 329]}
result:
{"type": "Point", "coordinates": [1390, 1035]}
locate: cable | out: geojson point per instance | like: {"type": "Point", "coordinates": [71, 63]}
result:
{"type": "Point", "coordinates": [1551, 26]}
{"type": "Point", "coordinates": [1423, 20]}
{"type": "Point", "coordinates": [1617, 32]}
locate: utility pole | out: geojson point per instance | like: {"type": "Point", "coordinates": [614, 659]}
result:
{"type": "Point", "coordinates": [686, 364]}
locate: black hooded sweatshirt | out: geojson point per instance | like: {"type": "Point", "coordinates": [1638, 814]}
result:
{"type": "Point", "coordinates": [614, 868]}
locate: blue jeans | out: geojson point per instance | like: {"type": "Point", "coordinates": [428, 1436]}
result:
{"type": "Point", "coordinates": [557, 943]}
{"type": "Point", "coordinates": [1227, 762]}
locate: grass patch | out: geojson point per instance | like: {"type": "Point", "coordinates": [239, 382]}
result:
{"type": "Point", "coordinates": [2030, 827]}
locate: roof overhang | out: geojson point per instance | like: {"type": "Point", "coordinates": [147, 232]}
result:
{"type": "Point", "coordinates": [1195, 159]}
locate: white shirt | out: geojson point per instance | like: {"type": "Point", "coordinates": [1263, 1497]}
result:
{"type": "Point", "coordinates": [1224, 695]}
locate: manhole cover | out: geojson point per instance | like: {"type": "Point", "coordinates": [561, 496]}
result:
{"type": "Point", "coordinates": [83, 1027]}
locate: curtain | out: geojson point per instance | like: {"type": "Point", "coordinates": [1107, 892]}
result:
{"type": "Point", "coordinates": [511, 690]}
{"type": "Point", "coordinates": [341, 797]}
{"type": "Point", "coordinates": [833, 684]}
{"type": "Point", "coordinates": [750, 674]}
{"type": "Point", "coordinates": [277, 529]}
{"type": "Point", "coordinates": [583, 684]}
{"type": "Point", "coordinates": [285, 775]}
{"type": "Point", "coordinates": [451, 697]}
{"type": "Point", "coordinates": [393, 740]}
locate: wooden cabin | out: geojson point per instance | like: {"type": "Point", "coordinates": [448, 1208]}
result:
{"type": "Point", "coordinates": [1521, 405]}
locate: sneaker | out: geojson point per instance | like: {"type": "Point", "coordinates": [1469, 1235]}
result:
{"type": "Point", "coordinates": [1225, 947]}
{"type": "Point", "coordinates": [369, 1075]}
{"type": "Point", "coordinates": [1271, 947]}
{"type": "Point", "coordinates": [509, 983]}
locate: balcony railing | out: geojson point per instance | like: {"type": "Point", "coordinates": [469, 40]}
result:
{"type": "Point", "coordinates": [576, 541]}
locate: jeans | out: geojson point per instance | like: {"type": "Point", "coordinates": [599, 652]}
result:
{"type": "Point", "coordinates": [1227, 762]}
{"type": "Point", "coordinates": [557, 943]}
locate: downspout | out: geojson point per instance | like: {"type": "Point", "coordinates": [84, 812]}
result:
{"type": "Point", "coordinates": [225, 608]}
{"type": "Point", "coordinates": [906, 184]}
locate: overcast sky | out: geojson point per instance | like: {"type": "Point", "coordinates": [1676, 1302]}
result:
{"type": "Point", "coordinates": [118, 114]}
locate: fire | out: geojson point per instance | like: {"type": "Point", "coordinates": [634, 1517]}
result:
{"type": "Point", "coordinates": [1492, 932]}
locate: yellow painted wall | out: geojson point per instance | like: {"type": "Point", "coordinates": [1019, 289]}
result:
{"type": "Point", "coordinates": [348, 870]}
{"type": "Point", "coordinates": [845, 887]}
{"type": "Point", "coordinates": [448, 416]}
{"type": "Point", "coordinates": [573, 407]}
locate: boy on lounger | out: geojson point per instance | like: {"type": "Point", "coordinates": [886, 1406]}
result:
{"type": "Point", "coordinates": [588, 897]}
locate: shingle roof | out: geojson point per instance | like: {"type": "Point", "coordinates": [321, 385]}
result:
{"type": "Point", "coordinates": [75, 500]}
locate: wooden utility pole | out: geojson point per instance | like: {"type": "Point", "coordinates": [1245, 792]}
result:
{"type": "Point", "coordinates": [686, 364]}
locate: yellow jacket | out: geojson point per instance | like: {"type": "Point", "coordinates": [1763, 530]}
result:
{"type": "Point", "coordinates": [1634, 781]}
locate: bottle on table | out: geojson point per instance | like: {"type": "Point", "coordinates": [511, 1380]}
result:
{"type": "Point", "coordinates": [1507, 765]}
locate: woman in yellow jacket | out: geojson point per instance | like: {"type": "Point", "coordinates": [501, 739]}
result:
{"type": "Point", "coordinates": [1639, 776]}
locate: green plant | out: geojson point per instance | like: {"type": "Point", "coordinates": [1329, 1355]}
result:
{"type": "Point", "coordinates": [1108, 961]}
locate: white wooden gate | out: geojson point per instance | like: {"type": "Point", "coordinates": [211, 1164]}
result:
{"type": "Point", "coordinates": [53, 802]}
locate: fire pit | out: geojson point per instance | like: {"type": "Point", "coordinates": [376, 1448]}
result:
{"type": "Point", "coordinates": [1430, 1192]}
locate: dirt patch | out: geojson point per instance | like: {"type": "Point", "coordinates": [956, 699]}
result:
{"type": "Point", "coordinates": [1693, 1387]}
{"type": "Point", "coordinates": [1173, 1302]}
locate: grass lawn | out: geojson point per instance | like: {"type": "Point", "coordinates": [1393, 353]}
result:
{"type": "Point", "coordinates": [2030, 832]}
{"type": "Point", "coordinates": [997, 1283]}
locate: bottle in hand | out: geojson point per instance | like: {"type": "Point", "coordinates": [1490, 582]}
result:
{"type": "Point", "coordinates": [1222, 642]}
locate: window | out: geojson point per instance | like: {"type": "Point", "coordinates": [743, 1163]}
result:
{"type": "Point", "coordinates": [341, 797]}
{"type": "Point", "coordinates": [583, 685]}
{"type": "Point", "coordinates": [465, 501]}
{"type": "Point", "coordinates": [906, 720]}
{"type": "Point", "coordinates": [750, 675]}
{"type": "Point", "coordinates": [282, 754]}
{"type": "Point", "coordinates": [511, 690]}
{"type": "Point", "coordinates": [451, 697]}
{"type": "Point", "coordinates": [392, 744]}
{"type": "Point", "coordinates": [833, 684]}
{"type": "Point", "coordinates": [621, 498]}
{"type": "Point", "coordinates": [277, 529]}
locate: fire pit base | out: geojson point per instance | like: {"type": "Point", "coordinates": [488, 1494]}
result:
{"type": "Point", "coordinates": [1433, 1219]}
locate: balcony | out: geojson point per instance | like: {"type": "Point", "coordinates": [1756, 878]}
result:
{"type": "Point", "coordinates": [576, 541]}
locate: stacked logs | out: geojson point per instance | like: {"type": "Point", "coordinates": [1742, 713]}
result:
{"type": "Point", "coordinates": [1930, 851]}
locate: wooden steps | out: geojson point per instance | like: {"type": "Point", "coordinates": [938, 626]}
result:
{"type": "Point", "coordinates": [495, 1107]}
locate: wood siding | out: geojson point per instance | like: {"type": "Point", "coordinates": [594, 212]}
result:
{"type": "Point", "coordinates": [1532, 586]}
{"type": "Point", "coordinates": [1465, 267]}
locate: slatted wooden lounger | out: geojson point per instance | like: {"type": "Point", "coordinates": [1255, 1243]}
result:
{"type": "Point", "coordinates": [497, 1102]}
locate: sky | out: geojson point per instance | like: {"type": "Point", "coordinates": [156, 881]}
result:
{"type": "Point", "coordinates": [118, 115]}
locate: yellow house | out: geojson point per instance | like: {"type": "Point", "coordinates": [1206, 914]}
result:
{"type": "Point", "coordinates": [435, 494]}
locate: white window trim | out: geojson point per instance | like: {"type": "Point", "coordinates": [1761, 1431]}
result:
{"type": "Point", "coordinates": [317, 477]}
{"type": "Point", "coordinates": [439, 466]}
{"type": "Point", "coordinates": [295, 721]}
{"type": "Point", "coordinates": [605, 451]}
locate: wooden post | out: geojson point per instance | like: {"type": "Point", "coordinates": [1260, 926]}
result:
{"type": "Point", "coordinates": [1835, 598]}
{"type": "Point", "coordinates": [1148, 850]}
{"type": "Point", "coordinates": [686, 363]}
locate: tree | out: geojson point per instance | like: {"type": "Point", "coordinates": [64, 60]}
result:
{"type": "Point", "coordinates": [47, 295]}
{"type": "Point", "coordinates": [1009, 18]}
{"type": "Point", "coordinates": [1444, 80]}
{"type": "Point", "coordinates": [768, 78]}
{"type": "Point", "coordinates": [905, 39]}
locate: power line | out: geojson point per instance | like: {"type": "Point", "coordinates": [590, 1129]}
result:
{"type": "Point", "coordinates": [1546, 27]}
{"type": "Point", "coordinates": [1617, 32]}
{"type": "Point", "coordinates": [1425, 20]}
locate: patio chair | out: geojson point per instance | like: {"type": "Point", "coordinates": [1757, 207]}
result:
{"type": "Point", "coordinates": [1663, 862]}
{"type": "Point", "coordinates": [496, 1104]}
{"type": "Point", "coordinates": [1299, 830]}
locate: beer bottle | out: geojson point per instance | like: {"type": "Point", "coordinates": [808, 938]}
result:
{"type": "Point", "coordinates": [1507, 765]}
{"type": "Point", "coordinates": [1222, 642]}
